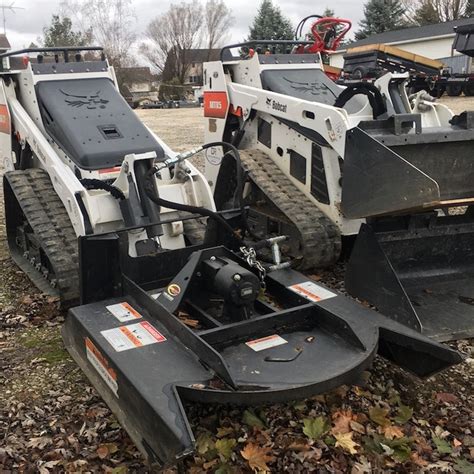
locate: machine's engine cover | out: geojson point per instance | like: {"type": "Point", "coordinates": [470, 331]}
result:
{"type": "Point", "coordinates": [92, 122]}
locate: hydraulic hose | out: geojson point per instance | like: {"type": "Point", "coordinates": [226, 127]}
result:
{"type": "Point", "coordinates": [299, 28]}
{"type": "Point", "coordinates": [239, 169]}
{"type": "Point", "coordinates": [98, 184]}
{"type": "Point", "coordinates": [370, 90]}
{"type": "Point", "coordinates": [202, 211]}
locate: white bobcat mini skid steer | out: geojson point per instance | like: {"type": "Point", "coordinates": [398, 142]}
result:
{"type": "Point", "coordinates": [76, 156]}
{"type": "Point", "coordinates": [96, 202]}
{"type": "Point", "coordinates": [325, 163]}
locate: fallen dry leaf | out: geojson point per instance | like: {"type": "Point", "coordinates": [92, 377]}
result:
{"type": "Point", "coordinates": [404, 413]}
{"type": "Point", "coordinates": [392, 432]}
{"type": "Point", "coordinates": [444, 397]}
{"type": "Point", "coordinates": [257, 456]}
{"type": "Point", "coordinates": [225, 446]}
{"type": "Point", "coordinates": [379, 415]}
{"type": "Point", "coordinates": [357, 427]}
{"type": "Point", "coordinates": [224, 431]}
{"type": "Point", "coordinates": [341, 421]}
{"type": "Point", "coordinates": [345, 441]}
{"type": "Point", "coordinates": [210, 464]}
{"type": "Point", "coordinates": [314, 428]}
{"type": "Point", "coordinates": [39, 442]}
{"type": "Point", "coordinates": [313, 453]}
{"type": "Point", "coordinates": [363, 466]}
{"type": "Point", "coordinates": [102, 451]}
{"type": "Point", "coordinates": [418, 460]}
{"type": "Point", "coordinates": [106, 449]}
{"type": "Point", "coordinates": [299, 446]}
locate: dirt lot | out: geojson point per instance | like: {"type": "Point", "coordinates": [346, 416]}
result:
{"type": "Point", "coordinates": [182, 129]}
{"type": "Point", "coordinates": [51, 420]}
{"type": "Point", "coordinates": [458, 104]}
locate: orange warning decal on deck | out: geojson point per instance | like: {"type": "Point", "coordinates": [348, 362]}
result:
{"type": "Point", "coordinates": [266, 342]}
{"type": "Point", "coordinates": [311, 291]}
{"type": "Point", "coordinates": [133, 336]}
{"type": "Point", "coordinates": [135, 340]}
{"type": "Point", "coordinates": [215, 104]}
{"type": "Point", "coordinates": [124, 312]}
{"type": "Point", "coordinates": [100, 363]}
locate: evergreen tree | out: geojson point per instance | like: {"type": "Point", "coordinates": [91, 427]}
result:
{"type": "Point", "coordinates": [426, 14]}
{"type": "Point", "coordinates": [380, 16]}
{"type": "Point", "coordinates": [60, 33]}
{"type": "Point", "coordinates": [328, 12]}
{"type": "Point", "coordinates": [270, 23]}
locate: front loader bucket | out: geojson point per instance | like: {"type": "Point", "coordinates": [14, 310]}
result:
{"type": "Point", "coordinates": [394, 167]}
{"type": "Point", "coordinates": [419, 271]}
{"type": "Point", "coordinates": [144, 357]}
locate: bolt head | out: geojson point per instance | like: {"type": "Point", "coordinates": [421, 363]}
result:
{"type": "Point", "coordinates": [237, 277]}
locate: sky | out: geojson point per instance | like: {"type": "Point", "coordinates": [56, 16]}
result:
{"type": "Point", "coordinates": [26, 25]}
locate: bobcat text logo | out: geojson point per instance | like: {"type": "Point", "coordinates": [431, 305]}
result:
{"type": "Point", "coordinates": [276, 105]}
{"type": "Point", "coordinates": [92, 101]}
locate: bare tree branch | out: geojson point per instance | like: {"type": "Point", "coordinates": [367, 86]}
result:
{"type": "Point", "coordinates": [170, 38]}
{"type": "Point", "coordinates": [218, 19]}
{"type": "Point", "coordinates": [111, 23]}
{"type": "Point", "coordinates": [429, 11]}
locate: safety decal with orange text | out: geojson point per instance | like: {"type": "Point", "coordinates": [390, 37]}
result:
{"type": "Point", "coordinates": [100, 363]}
{"type": "Point", "coordinates": [124, 312]}
{"type": "Point", "coordinates": [133, 336]}
{"type": "Point", "coordinates": [311, 291]}
{"type": "Point", "coordinates": [266, 342]}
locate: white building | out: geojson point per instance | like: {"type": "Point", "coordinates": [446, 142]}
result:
{"type": "Point", "coordinates": [431, 41]}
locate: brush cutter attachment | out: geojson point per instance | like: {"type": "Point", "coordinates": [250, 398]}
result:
{"type": "Point", "coordinates": [196, 324]}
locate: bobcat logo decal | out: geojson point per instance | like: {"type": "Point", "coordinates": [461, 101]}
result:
{"type": "Point", "coordinates": [92, 101]}
{"type": "Point", "coordinates": [314, 88]}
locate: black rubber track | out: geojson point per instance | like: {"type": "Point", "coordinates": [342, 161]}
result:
{"type": "Point", "coordinates": [46, 215]}
{"type": "Point", "coordinates": [320, 239]}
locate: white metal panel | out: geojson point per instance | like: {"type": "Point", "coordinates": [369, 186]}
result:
{"type": "Point", "coordinates": [5, 130]}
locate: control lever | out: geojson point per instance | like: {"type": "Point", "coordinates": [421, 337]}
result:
{"type": "Point", "coordinates": [177, 159]}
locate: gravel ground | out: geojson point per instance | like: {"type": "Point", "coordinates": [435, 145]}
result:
{"type": "Point", "coordinates": [51, 420]}
{"type": "Point", "coordinates": [458, 104]}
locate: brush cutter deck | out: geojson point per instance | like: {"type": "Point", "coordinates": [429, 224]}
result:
{"type": "Point", "coordinates": [183, 325]}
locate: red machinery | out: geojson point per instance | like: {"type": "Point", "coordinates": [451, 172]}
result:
{"type": "Point", "coordinates": [327, 32]}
